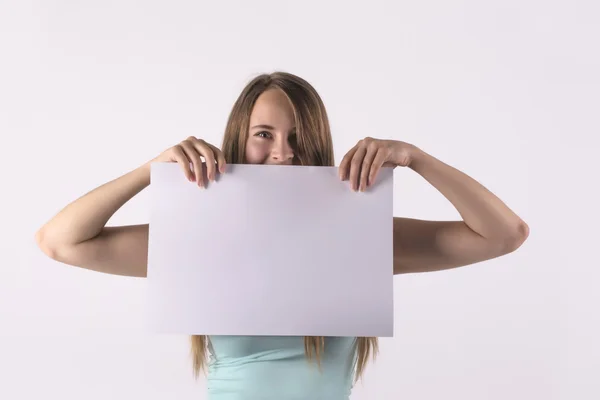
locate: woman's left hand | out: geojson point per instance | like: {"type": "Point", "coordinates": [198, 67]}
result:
{"type": "Point", "coordinates": [362, 163]}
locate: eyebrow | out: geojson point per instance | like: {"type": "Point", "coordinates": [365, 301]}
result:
{"type": "Point", "coordinates": [269, 127]}
{"type": "Point", "coordinates": [263, 127]}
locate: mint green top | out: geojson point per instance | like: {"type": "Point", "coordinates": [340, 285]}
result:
{"type": "Point", "coordinates": [276, 367]}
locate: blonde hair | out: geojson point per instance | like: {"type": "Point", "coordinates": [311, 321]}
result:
{"type": "Point", "coordinates": [314, 147]}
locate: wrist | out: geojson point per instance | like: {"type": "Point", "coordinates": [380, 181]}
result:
{"type": "Point", "coordinates": [142, 173]}
{"type": "Point", "coordinates": [417, 157]}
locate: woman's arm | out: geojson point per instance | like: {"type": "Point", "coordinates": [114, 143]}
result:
{"type": "Point", "coordinates": [77, 235]}
{"type": "Point", "coordinates": [489, 228]}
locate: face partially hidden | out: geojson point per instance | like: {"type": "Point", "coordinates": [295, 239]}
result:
{"type": "Point", "coordinates": [272, 131]}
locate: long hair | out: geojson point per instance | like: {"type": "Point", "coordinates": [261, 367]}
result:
{"type": "Point", "coordinates": [314, 147]}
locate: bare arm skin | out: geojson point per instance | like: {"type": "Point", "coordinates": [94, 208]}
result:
{"type": "Point", "coordinates": [78, 234]}
{"type": "Point", "coordinates": [489, 228]}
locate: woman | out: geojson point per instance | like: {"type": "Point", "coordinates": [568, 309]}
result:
{"type": "Point", "coordinates": [280, 119]}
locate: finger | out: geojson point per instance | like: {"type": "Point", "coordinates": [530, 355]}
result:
{"type": "Point", "coordinates": [376, 166]}
{"type": "Point", "coordinates": [355, 166]}
{"type": "Point", "coordinates": [366, 167]}
{"type": "Point", "coordinates": [207, 152]}
{"type": "Point", "coordinates": [194, 157]}
{"type": "Point", "coordinates": [344, 165]}
{"type": "Point", "coordinates": [183, 161]}
{"type": "Point", "coordinates": [221, 162]}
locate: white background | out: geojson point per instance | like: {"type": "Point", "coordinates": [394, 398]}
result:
{"type": "Point", "coordinates": [507, 91]}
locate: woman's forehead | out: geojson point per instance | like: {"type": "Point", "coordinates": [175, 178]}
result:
{"type": "Point", "coordinates": [272, 108]}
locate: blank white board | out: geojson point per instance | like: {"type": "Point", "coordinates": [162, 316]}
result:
{"type": "Point", "coordinates": [270, 250]}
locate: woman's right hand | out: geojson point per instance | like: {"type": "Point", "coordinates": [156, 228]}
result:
{"type": "Point", "coordinates": [187, 154]}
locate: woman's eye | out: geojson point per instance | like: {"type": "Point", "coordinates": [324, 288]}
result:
{"type": "Point", "coordinates": [264, 134]}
